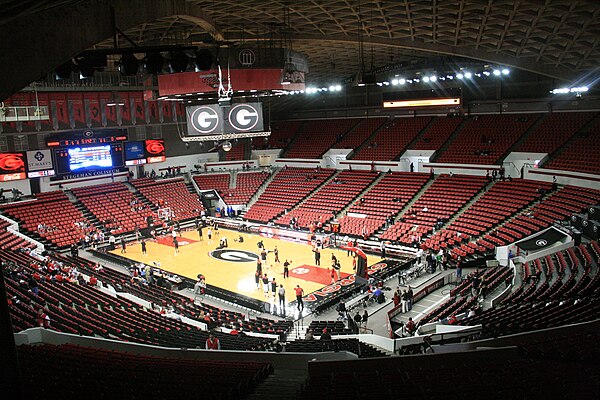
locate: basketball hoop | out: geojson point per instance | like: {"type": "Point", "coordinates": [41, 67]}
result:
{"type": "Point", "coordinates": [165, 213]}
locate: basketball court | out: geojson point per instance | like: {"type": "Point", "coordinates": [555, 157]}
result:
{"type": "Point", "coordinates": [234, 267]}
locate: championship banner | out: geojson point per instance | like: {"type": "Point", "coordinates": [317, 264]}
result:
{"type": "Point", "coordinates": [543, 240]}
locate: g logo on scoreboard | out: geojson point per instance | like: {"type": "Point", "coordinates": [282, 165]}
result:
{"type": "Point", "coordinates": [204, 119]}
{"type": "Point", "coordinates": [243, 117]}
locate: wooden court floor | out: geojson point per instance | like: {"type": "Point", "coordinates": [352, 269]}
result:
{"type": "Point", "coordinates": [234, 270]}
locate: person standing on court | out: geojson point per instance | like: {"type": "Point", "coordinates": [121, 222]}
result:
{"type": "Point", "coordinates": [317, 256]}
{"type": "Point", "coordinates": [143, 243]}
{"type": "Point", "coordinates": [123, 245]}
{"type": "Point", "coordinates": [276, 253]}
{"type": "Point", "coordinates": [286, 269]}
{"type": "Point", "coordinates": [299, 293]}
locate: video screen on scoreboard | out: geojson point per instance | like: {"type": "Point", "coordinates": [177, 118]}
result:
{"type": "Point", "coordinates": [12, 166]}
{"type": "Point", "coordinates": [135, 153]}
{"type": "Point", "coordinates": [89, 158]}
{"type": "Point", "coordinates": [81, 159]}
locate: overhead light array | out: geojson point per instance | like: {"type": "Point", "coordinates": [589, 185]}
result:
{"type": "Point", "coordinates": [435, 77]}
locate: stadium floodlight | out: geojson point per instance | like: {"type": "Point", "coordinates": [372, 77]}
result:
{"type": "Point", "coordinates": [468, 75]}
{"type": "Point", "coordinates": [338, 87]}
{"type": "Point", "coordinates": [460, 76]}
{"type": "Point", "coordinates": [395, 81]}
{"type": "Point", "coordinates": [579, 89]}
{"type": "Point", "coordinates": [497, 72]}
{"type": "Point", "coordinates": [486, 73]}
{"type": "Point", "coordinates": [402, 81]}
{"type": "Point", "coordinates": [433, 78]}
{"type": "Point", "coordinates": [505, 71]}
{"type": "Point", "coordinates": [425, 79]}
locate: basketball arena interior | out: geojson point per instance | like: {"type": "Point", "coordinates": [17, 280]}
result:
{"type": "Point", "coordinates": [300, 199]}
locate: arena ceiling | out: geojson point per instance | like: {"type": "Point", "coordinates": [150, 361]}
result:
{"type": "Point", "coordinates": [555, 38]}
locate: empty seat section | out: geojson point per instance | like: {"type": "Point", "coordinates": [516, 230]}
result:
{"type": "Point", "coordinates": [392, 138]}
{"type": "Point", "coordinates": [484, 139]}
{"type": "Point", "coordinates": [437, 133]}
{"type": "Point", "coordinates": [446, 195]}
{"type": "Point", "coordinates": [317, 136]}
{"type": "Point", "coordinates": [172, 194]}
{"type": "Point", "coordinates": [52, 217]}
{"type": "Point", "coordinates": [115, 206]}
{"type": "Point", "coordinates": [330, 199]}
{"type": "Point", "coordinates": [385, 199]}
{"type": "Point", "coordinates": [288, 187]}
{"type": "Point", "coordinates": [360, 133]}
{"type": "Point", "coordinates": [281, 135]}
{"type": "Point", "coordinates": [237, 152]}
{"type": "Point", "coordinates": [582, 154]}
{"type": "Point", "coordinates": [499, 203]}
{"type": "Point", "coordinates": [554, 131]}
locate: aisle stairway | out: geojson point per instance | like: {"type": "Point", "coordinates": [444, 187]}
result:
{"type": "Point", "coordinates": [283, 384]}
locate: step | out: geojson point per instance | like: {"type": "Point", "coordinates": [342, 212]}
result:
{"type": "Point", "coordinates": [282, 384]}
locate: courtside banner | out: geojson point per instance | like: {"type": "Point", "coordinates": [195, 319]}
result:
{"type": "Point", "coordinates": [543, 240]}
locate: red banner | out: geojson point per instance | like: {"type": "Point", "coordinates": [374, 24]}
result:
{"type": "Point", "coordinates": [94, 108]}
{"type": "Point", "coordinates": [207, 81]}
{"type": "Point", "coordinates": [152, 112]}
{"type": "Point", "coordinates": [110, 112]}
{"type": "Point", "coordinates": [59, 102]}
{"type": "Point", "coordinates": [125, 109]}
{"type": "Point", "coordinates": [76, 100]}
{"type": "Point", "coordinates": [167, 111]}
{"type": "Point", "coordinates": [139, 108]}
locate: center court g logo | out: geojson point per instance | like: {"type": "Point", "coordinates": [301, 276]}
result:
{"type": "Point", "coordinates": [237, 256]}
{"type": "Point", "coordinates": [204, 119]}
{"type": "Point", "coordinates": [243, 117]}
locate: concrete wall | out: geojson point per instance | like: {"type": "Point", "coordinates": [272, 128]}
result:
{"type": "Point", "coordinates": [460, 169]}
{"type": "Point", "coordinates": [417, 158]}
{"type": "Point", "coordinates": [564, 177]}
{"type": "Point", "coordinates": [266, 157]}
{"type": "Point", "coordinates": [516, 160]}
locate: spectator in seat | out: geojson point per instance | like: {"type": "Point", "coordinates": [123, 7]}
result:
{"type": "Point", "coordinates": [325, 335]}
{"type": "Point", "coordinates": [410, 327]}
{"type": "Point", "coordinates": [93, 281]}
{"type": "Point", "coordinates": [309, 335]}
{"type": "Point", "coordinates": [42, 319]}
{"type": "Point", "coordinates": [212, 343]}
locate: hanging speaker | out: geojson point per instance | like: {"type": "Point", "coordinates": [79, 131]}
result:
{"type": "Point", "coordinates": [204, 60]}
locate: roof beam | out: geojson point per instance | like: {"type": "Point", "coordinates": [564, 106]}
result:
{"type": "Point", "coordinates": [435, 48]}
